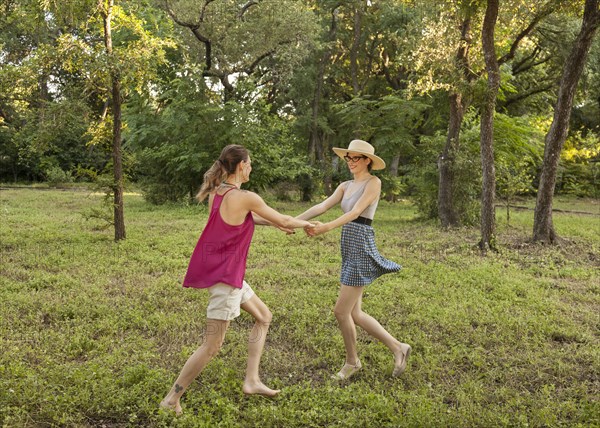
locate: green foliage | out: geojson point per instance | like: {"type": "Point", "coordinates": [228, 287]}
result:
{"type": "Point", "coordinates": [579, 167]}
{"type": "Point", "coordinates": [95, 332]}
{"type": "Point", "coordinates": [392, 187]}
{"type": "Point", "coordinates": [518, 150]}
{"type": "Point", "coordinates": [390, 122]}
{"type": "Point", "coordinates": [178, 143]}
{"type": "Point", "coordinates": [423, 175]}
{"type": "Point", "coordinates": [56, 176]}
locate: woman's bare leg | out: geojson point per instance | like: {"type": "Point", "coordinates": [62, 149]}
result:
{"type": "Point", "coordinates": [347, 299]}
{"type": "Point", "coordinates": [256, 343]}
{"type": "Point", "coordinates": [372, 326]}
{"type": "Point", "coordinates": [213, 339]}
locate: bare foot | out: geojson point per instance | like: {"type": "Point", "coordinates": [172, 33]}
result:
{"type": "Point", "coordinates": [401, 359]}
{"type": "Point", "coordinates": [176, 407]}
{"type": "Point", "coordinates": [259, 388]}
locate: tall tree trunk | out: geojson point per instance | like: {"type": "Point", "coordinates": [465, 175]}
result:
{"type": "Point", "coordinates": [543, 228]}
{"type": "Point", "coordinates": [316, 141]}
{"type": "Point", "coordinates": [446, 161]}
{"type": "Point", "coordinates": [119, 218]}
{"type": "Point", "coordinates": [354, 49]}
{"type": "Point", "coordinates": [446, 210]}
{"type": "Point", "coordinates": [488, 191]}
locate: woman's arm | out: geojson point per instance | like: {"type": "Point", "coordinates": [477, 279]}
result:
{"type": "Point", "coordinates": [257, 206]}
{"type": "Point", "coordinates": [370, 194]}
{"type": "Point", "coordinates": [258, 220]}
{"type": "Point", "coordinates": [328, 203]}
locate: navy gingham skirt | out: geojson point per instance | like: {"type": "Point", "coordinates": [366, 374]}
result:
{"type": "Point", "coordinates": [361, 262]}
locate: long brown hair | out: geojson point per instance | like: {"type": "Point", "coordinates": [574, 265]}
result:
{"type": "Point", "coordinates": [227, 163]}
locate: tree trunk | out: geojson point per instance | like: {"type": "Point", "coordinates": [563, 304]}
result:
{"type": "Point", "coordinates": [488, 191]}
{"type": "Point", "coordinates": [458, 105]}
{"type": "Point", "coordinates": [394, 166]}
{"type": "Point", "coordinates": [119, 218]}
{"type": "Point", "coordinates": [354, 49]}
{"type": "Point", "coordinates": [316, 140]}
{"type": "Point", "coordinates": [446, 211]}
{"type": "Point", "coordinates": [543, 228]}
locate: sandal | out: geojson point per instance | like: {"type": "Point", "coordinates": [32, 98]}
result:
{"type": "Point", "coordinates": [347, 371]}
{"type": "Point", "coordinates": [398, 370]}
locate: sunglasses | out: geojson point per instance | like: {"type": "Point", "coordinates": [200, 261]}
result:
{"type": "Point", "coordinates": [353, 158]}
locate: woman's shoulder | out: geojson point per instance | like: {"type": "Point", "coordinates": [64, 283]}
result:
{"type": "Point", "coordinates": [375, 179]}
{"type": "Point", "coordinates": [246, 196]}
{"type": "Point", "coordinates": [374, 183]}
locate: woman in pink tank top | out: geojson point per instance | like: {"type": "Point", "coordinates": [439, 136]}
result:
{"type": "Point", "coordinates": [218, 264]}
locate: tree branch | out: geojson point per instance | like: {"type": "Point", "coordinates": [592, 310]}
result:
{"type": "Point", "coordinates": [371, 56]}
{"type": "Point", "coordinates": [245, 8]}
{"type": "Point", "coordinates": [462, 55]}
{"type": "Point", "coordinates": [531, 65]}
{"type": "Point", "coordinates": [195, 29]}
{"type": "Point", "coordinates": [516, 66]}
{"type": "Point", "coordinates": [178, 21]}
{"type": "Point", "coordinates": [250, 69]}
{"type": "Point", "coordinates": [203, 11]}
{"type": "Point", "coordinates": [546, 10]}
{"type": "Point", "coordinates": [526, 94]}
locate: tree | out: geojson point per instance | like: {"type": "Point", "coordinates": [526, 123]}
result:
{"type": "Point", "coordinates": [543, 227]}
{"type": "Point", "coordinates": [451, 31]}
{"type": "Point", "coordinates": [106, 10]}
{"type": "Point", "coordinates": [316, 132]}
{"type": "Point", "coordinates": [459, 102]}
{"type": "Point", "coordinates": [488, 191]}
{"type": "Point", "coordinates": [239, 40]}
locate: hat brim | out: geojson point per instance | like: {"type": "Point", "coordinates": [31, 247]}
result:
{"type": "Point", "coordinates": [377, 162]}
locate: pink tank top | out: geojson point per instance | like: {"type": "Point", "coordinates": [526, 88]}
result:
{"type": "Point", "coordinates": [221, 252]}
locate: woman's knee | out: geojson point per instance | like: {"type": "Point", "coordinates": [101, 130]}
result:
{"type": "Point", "coordinates": [265, 316]}
{"type": "Point", "coordinates": [341, 313]}
{"type": "Point", "coordinates": [357, 316]}
{"type": "Point", "coordinates": [212, 347]}
{"type": "Point", "coordinates": [213, 342]}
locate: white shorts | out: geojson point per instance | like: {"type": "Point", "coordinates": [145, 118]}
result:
{"type": "Point", "coordinates": [225, 301]}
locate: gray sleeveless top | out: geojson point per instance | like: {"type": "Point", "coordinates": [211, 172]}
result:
{"type": "Point", "coordinates": [348, 201]}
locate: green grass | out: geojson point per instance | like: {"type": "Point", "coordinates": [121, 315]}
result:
{"type": "Point", "coordinates": [94, 333]}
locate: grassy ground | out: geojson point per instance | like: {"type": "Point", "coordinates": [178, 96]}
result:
{"type": "Point", "coordinates": [93, 333]}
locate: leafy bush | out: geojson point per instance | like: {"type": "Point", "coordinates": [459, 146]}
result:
{"type": "Point", "coordinates": [56, 176]}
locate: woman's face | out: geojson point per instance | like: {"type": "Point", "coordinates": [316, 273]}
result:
{"type": "Point", "coordinates": [356, 162]}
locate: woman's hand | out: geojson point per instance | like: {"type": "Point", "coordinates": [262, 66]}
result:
{"type": "Point", "coordinates": [287, 230]}
{"type": "Point", "coordinates": [318, 228]}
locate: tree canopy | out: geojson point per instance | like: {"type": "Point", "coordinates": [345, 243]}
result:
{"type": "Point", "coordinates": [291, 79]}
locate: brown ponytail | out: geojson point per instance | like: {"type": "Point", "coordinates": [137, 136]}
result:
{"type": "Point", "coordinates": [227, 163]}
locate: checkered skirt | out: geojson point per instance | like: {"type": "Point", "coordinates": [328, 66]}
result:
{"type": "Point", "coordinates": [361, 261]}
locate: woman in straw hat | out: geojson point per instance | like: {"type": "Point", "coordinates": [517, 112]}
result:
{"type": "Point", "coordinates": [361, 261]}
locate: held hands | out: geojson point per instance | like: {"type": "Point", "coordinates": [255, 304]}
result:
{"type": "Point", "coordinates": [290, 231]}
{"type": "Point", "coordinates": [317, 228]}
{"type": "Point", "coordinates": [311, 229]}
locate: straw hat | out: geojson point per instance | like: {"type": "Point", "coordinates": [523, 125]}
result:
{"type": "Point", "coordinates": [363, 148]}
